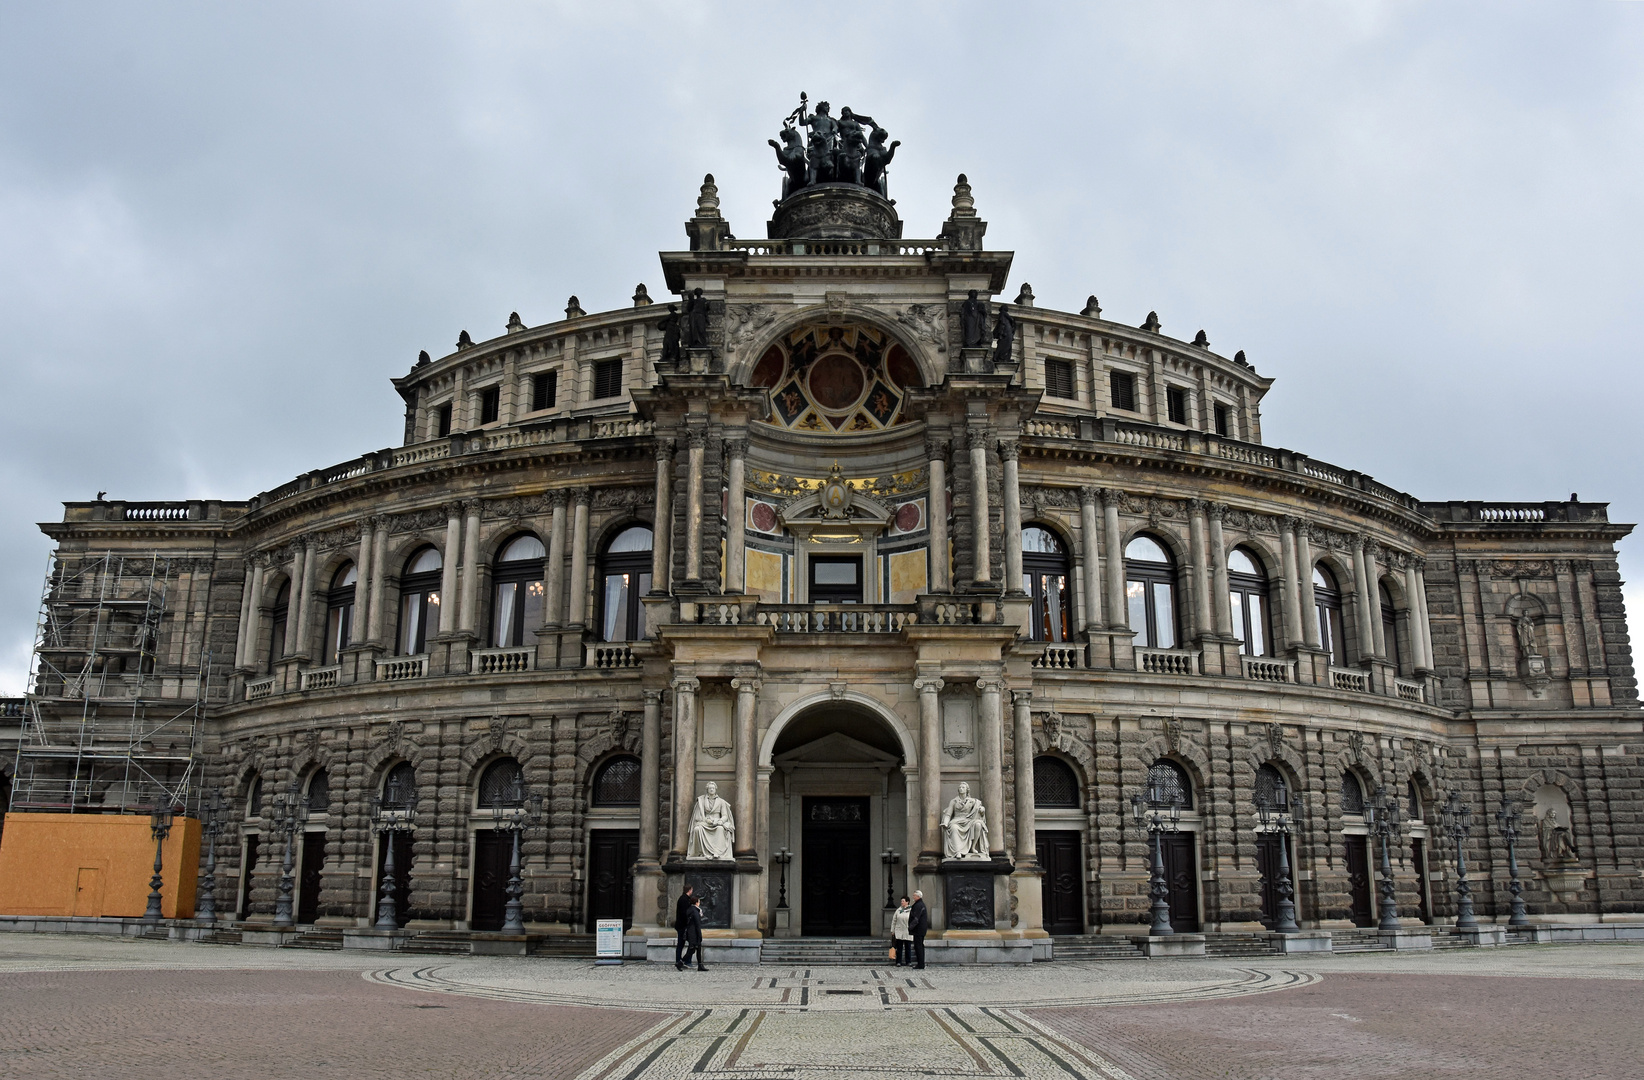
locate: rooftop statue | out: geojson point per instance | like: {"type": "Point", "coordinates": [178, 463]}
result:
{"type": "Point", "coordinates": [848, 149]}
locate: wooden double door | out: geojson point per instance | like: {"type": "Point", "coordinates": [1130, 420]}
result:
{"type": "Point", "coordinates": [1357, 850]}
{"type": "Point", "coordinates": [836, 891]}
{"type": "Point", "coordinates": [1063, 884]}
{"type": "Point", "coordinates": [1181, 867]}
{"type": "Point", "coordinates": [612, 854]}
{"type": "Point", "coordinates": [493, 852]}
{"type": "Point", "coordinates": [311, 878]}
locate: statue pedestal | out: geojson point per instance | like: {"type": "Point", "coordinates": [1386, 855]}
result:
{"type": "Point", "coordinates": [974, 360]}
{"type": "Point", "coordinates": [698, 361]}
{"type": "Point", "coordinates": [971, 899]}
{"type": "Point", "coordinates": [714, 880]}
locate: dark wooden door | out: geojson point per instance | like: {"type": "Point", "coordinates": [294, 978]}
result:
{"type": "Point", "coordinates": [1267, 865]}
{"type": "Point", "coordinates": [836, 889]}
{"type": "Point", "coordinates": [242, 907]}
{"type": "Point", "coordinates": [611, 857]}
{"type": "Point", "coordinates": [1064, 881]}
{"type": "Point", "coordinates": [308, 886]}
{"type": "Point", "coordinates": [1182, 874]}
{"type": "Point", "coordinates": [1418, 859]}
{"type": "Point", "coordinates": [402, 876]}
{"type": "Point", "coordinates": [493, 850]}
{"type": "Point", "coordinates": [1358, 881]}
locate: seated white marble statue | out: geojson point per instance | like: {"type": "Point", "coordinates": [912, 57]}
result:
{"type": "Point", "coordinates": [712, 827]}
{"type": "Point", "coordinates": [965, 827]}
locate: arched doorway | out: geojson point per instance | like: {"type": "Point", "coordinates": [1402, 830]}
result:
{"type": "Point", "coordinates": [838, 807]}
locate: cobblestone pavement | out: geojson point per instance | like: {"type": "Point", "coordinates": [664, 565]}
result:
{"type": "Point", "coordinates": [80, 1005]}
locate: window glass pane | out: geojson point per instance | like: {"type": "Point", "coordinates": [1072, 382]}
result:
{"type": "Point", "coordinates": [502, 615]}
{"type": "Point", "coordinates": [1236, 599]}
{"type": "Point", "coordinates": [1056, 607]}
{"type": "Point", "coordinates": [1240, 563]}
{"type": "Point", "coordinates": [1145, 549]}
{"type": "Point", "coordinates": [1164, 611]}
{"type": "Point", "coordinates": [1257, 645]}
{"type": "Point", "coordinates": [533, 612]}
{"type": "Point", "coordinates": [410, 622]}
{"type": "Point", "coordinates": [344, 577]}
{"type": "Point", "coordinates": [1027, 584]}
{"type": "Point", "coordinates": [835, 573]}
{"type": "Point", "coordinates": [522, 548]}
{"type": "Point", "coordinates": [1321, 580]}
{"type": "Point", "coordinates": [637, 538]}
{"type": "Point", "coordinates": [616, 607]}
{"type": "Point", "coordinates": [333, 635]}
{"type": "Point", "coordinates": [1040, 541]}
{"type": "Point", "coordinates": [427, 560]}
{"type": "Point", "coordinates": [1136, 600]}
{"type": "Point", "coordinates": [430, 616]}
{"type": "Point", "coordinates": [1338, 645]}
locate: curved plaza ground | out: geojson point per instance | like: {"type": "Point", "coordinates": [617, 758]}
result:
{"type": "Point", "coordinates": [73, 1006]}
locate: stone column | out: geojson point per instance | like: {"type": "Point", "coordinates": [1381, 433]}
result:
{"type": "Point", "coordinates": [299, 610]}
{"type": "Point", "coordinates": [1290, 593]}
{"type": "Point", "coordinates": [1421, 612]}
{"type": "Point", "coordinates": [450, 559]}
{"type": "Point", "coordinates": [1118, 612]}
{"type": "Point", "coordinates": [990, 745]}
{"type": "Point", "coordinates": [735, 514]}
{"type": "Point", "coordinates": [1222, 604]}
{"type": "Point", "coordinates": [662, 529]}
{"type": "Point", "coordinates": [1304, 576]}
{"type": "Point", "coordinates": [1372, 573]}
{"type": "Point", "coordinates": [1022, 739]}
{"type": "Point", "coordinates": [930, 765]}
{"type": "Point", "coordinates": [1361, 600]}
{"type": "Point", "coordinates": [936, 512]}
{"type": "Point", "coordinates": [1421, 661]}
{"type": "Point", "coordinates": [254, 632]}
{"type": "Point", "coordinates": [553, 608]}
{"type": "Point", "coordinates": [248, 594]}
{"type": "Point", "coordinates": [981, 545]}
{"type": "Point", "coordinates": [1011, 493]}
{"type": "Point", "coordinates": [696, 443]}
{"type": "Point", "coordinates": [650, 776]}
{"type": "Point", "coordinates": [685, 691]}
{"type": "Point", "coordinates": [1200, 570]}
{"type": "Point", "coordinates": [1092, 558]}
{"type": "Point", "coordinates": [579, 561]}
{"type": "Point", "coordinates": [363, 586]}
{"type": "Point", "coordinates": [747, 694]}
{"type": "Point", "coordinates": [470, 564]}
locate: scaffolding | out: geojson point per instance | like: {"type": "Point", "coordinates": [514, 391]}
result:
{"type": "Point", "coordinates": [114, 718]}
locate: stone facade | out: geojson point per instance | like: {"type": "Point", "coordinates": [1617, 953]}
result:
{"type": "Point", "coordinates": [837, 427]}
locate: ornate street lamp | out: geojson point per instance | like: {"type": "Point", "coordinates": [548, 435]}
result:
{"type": "Point", "coordinates": [392, 813]}
{"type": "Point", "coordinates": [1159, 811]}
{"type": "Point", "coordinates": [1381, 814]}
{"type": "Point", "coordinates": [1507, 819]}
{"type": "Point", "coordinates": [890, 859]}
{"type": "Point", "coordinates": [290, 814]}
{"type": "Point", "coordinates": [783, 858]}
{"type": "Point", "coordinates": [521, 811]}
{"type": "Point", "coordinates": [1456, 818]}
{"type": "Point", "coordinates": [159, 826]}
{"type": "Point", "coordinates": [1278, 812]}
{"type": "Point", "coordinates": [211, 823]}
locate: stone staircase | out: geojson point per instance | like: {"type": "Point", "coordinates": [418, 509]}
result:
{"type": "Point", "coordinates": [1233, 945]}
{"type": "Point", "coordinates": [222, 936]}
{"type": "Point", "coordinates": [439, 943]}
{"type": "Point", "coordinates": [822, 952]}
{"type": "Point", "coordinates": [1093, 947]}
{"type": "Point", "coordinates": [1351, 941]}
{"type": "Point", "coordinates": [564, 946]}
{"type": "Point", "coordinates": [323, 938]}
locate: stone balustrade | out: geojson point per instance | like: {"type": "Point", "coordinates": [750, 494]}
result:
{"type": "Point", "coordinates": [1060, 657]}
{"type": "Point", "coordinates": [611, 657]}
{"type": "Point", "coordinates": [837, 618]}
{"type": "Point", "coordinates": [321, 678]}
{"type": "Point", "coordinates": [1267, 669]}
{"type": "Point", "coordinates": [1348, 679]}
{"type": "Point", "coordinates": [505, 661]}
{"type": "Point", "coordinates": [1168, 661]}
{"type": "Point", "coordinates": [259, 689]}
{"type": "Point", "coordinates": [403, 667]}
{"type": "Point", "coordinates": [1410, 691]}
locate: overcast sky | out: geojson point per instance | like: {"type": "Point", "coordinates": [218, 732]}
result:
{"type": "Point", "coordinates": [224, 227]}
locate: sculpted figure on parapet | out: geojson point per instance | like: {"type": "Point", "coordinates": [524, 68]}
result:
{"type": "Point", "coordinates": [849, 149]}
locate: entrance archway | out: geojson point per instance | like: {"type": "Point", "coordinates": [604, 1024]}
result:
{"type": "Point", "coordinates": [839, 804]}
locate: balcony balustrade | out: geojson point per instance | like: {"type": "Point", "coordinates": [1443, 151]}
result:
{"type": "Point", "coordinates": [403, 667]}
{"type": "Point", "coordinates": [1168, 661]}
{"type": "Point", "coordinates": [502, 661]}
{"type": "Point", "coordinates": [1266, 669]}
{"type": "Point", "coordinates": [321, 678]}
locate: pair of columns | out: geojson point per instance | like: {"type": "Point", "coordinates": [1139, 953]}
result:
{"type": "Point", "coordinates": [687, 690]}
{"type": "Point", "coordinates": [556, 611]}
{"type": "Point", "coordinates": [990, 749]}
{"type": "Point", "coordinates": [696, 456]}
{"type": "Point", "coordinates": [978, 440]}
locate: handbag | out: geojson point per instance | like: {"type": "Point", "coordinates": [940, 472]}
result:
{"type": "Point", "coordinates": [892, 954]}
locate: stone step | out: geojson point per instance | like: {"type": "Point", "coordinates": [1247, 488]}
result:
{"type": "Point", "coordinates": [821, 952]}
{"type": "Point", "coordinates": [565, 947]}
{"type": "Point", "coordinates": [316, 939]}
{"type": "Point", "coordinates": [439, 943]}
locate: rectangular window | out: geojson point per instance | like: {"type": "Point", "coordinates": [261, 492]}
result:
{"type": "Point", "coordinates": [490, 404]}
{"type": "Point", "coordinates": [1176, 404]}
{"type": "Point", "coordinates": [1123, 384]}
{"type": "Point", "coordinates": [543, 386]}
{"type": "Point", "coordinates": [1222, 426]}
{"type": "Point", "coordinates": [608, 379]}
{"type": "Point", "coordinates": [1059, 378]}
{"type": "Point", "coordinates": [442, 420]}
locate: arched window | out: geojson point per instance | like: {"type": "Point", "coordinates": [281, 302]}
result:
{"type": "Point", "coordinates": [617, 782]}
{"type": "Point", "coordinates": [279, 616]}
{"type": "Point", "coordinates": [1045, 575]}
{"type": "Point", "coordinates": [339, 613]}
{"type": "Point", "coordinates": [1150, 592]}
{"type": "Point", "coordinates": [516, 607]}
{"type": "Point", "coordinates": [625, 576]}
{"type": "Point", "coordinates": [420, 601]}
{"type": "Point", "coordinates": [1055, 786]}
{"type": "Point", "coordinates": [1268, 780]}
{"type": "Point", "coordinates": [1327, 602]}
{"type": "Point", "coordinates": [319, 792]}
{"type": "Point", "coordinates": [502, 785]}
{"type": "Point", "coordinates": [1352, 794]}
{"type": "Point", "coordinates": [254, 796]}
{"type": "Point", "coordinates": [1415, 801]}
{"type": "Point", "coordinates": [1389, 625]}
{"type": "Point", "coordinates": [1169, 781]}
{"type": "Point", "coordinates": [1247, 592]}
{"type": "Point", "coordinates": [399, 786]}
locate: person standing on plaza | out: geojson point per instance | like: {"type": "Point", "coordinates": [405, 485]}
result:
{"type": "Point", "coordinates": [918, 926]}
{"type": "Point", "coordinates": [901, 936]}
{"type": "Point", "coordinates": [681, 921]}
{"type": "Point", "coordinates": [693, 932]}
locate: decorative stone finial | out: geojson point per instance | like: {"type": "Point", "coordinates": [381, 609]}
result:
{"type": "Point", "coordinates": [1152, 325]}
{"type": "Point", "coordinates": [963, 230]}
{"type": "Point", "coordinates": [1092, 310]}
{"type": "Point", "coordinates": [707, 202]}
{"type": "Point", "coordinates": [573, 309]}
{"type": "Point", "coordinates": [464, 341]}
{"type": "Point", "coordinates": [1025, 297]}
{"type": "Point", "coordinates": [963, 204]}
{"type": "Point", "coordinates": [1238, 358]}
{"type": "Point", "coordinates": [514, 324]}
{"type": "Point", "coordinates": [1202, 340]}
{"type": "Point", "coordinates": [641, 297]}
{"type": "Point", "coordinates": [423, 359]}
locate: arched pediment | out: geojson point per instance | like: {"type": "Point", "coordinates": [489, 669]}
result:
{"type": "Point", "coordinates": [835, 508]}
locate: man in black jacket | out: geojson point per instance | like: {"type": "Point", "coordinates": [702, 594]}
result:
{"type": "Point", "coordinates": [918, 924]}
{"type": "Point", "coordinates": [693, 930]}
{"type": "Point", "coordinates": [682, 920]}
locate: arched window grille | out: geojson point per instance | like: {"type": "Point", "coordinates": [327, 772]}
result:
{"type": "Point", "coordinates": [420, 601]}
{"type": "Point", "coordinates": [625, 576]}
{"type": "Point", "coordinates": [517, 592]}
{"type": "Point", "coordinates": [502, 785]}
{"type": "Point", "coordinates": [1327, 603]}
{"type": "Point", "coordinates": [319, 792]}
{"type": "Point", "coordinates": [1415, 801]}
{"type": "Point", "coordinates": [1150, 593]}
{"type": "Point", "coordinates": [1055, 786]}
{"type": "Point", "coordinates": [398, 786]}
{"type": "Point", "coordinates": [1352, 794]}
{"type": "Point", "coordinates": [1045, 577]}
{"type": "Point", "coordinates": [617, 782]}
{"type": "Point", "coordinates": [254, 797]}
{"type": "Point", "coordinates": [1247, 595]}
{"type": "Point", "coordinates": [339, 613]}
{"type": "Point", "coordinates": [1166, 781]}
{"type": "Point", "coordinates": [1268, 780]}
{"type": "Point", "coordinates": [279, 618]}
